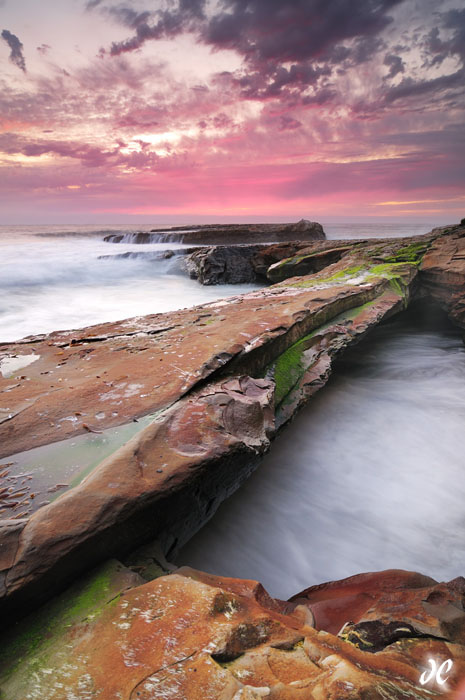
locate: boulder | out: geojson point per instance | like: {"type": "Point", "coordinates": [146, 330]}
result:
{"type": "Point", "coordinates": [223, 265]}
{"type": "Point", "coordinates": [374, 610]}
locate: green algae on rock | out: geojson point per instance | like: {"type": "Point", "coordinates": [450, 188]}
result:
{"type": "Point", "coordinates": [195, 636]}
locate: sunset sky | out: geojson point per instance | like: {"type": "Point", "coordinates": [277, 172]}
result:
{"type": "Point", "coordinates": [201, 110]}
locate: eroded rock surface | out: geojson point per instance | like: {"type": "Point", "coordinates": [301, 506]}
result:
{"type": "Point", "coordinates": [443, 273]}
{"type": "Point", "coordinates": [194, 636]}
{"type": "Point", "coordinates": [218, 379]}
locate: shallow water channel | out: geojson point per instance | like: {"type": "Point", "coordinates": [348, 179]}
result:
{"type": "Point", "coordinates": [369, 476]}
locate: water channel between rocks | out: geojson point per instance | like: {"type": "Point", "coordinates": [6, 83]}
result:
{"type": "Point", "coordinates": [369, 476]}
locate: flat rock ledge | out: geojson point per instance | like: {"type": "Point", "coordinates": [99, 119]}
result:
{"type": "Point", "coordinates": [227, 234]}
{"type": "Point", "coordinates": [219, 380]}
{"type": "Point", "coordinates": [195, 636]}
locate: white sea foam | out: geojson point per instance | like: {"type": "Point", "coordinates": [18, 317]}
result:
{"type": "Point", "coordinates": [60, 281]}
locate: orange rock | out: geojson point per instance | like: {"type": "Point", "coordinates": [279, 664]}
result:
{"type": "Point", "coordinates": [193, 636]}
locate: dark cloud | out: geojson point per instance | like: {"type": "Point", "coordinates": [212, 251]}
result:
{"type": "Point", "coordinates": [219, 121]}
{"type": "Point", "coordinates": [313, 36]}
{"type": "Point", "coordinates": [129, 17]}
{"type": "Point", "coordinates": [295, 30]}
{"type": "Point", "coordinates": [455, 20]}
{"type": "Point", "coordinates": [395, 65]}
{"type": "Point", "coordinates": [320, 97]}
{"type": "Point", "coordinates": [90, 4]}
{"type": "Point", "coordinates": [16, 49]}
{"type": "Point", "coordinates": [409, 87]}
{"type": "Point", "coordinates": [438, 49]}
{"type": "Point", "coordinates": [155, 25]}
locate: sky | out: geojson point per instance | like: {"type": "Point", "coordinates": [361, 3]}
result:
{"type": "Point", "coordinates": [230, 110]}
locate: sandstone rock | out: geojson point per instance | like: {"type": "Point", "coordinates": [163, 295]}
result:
{"type": "Point", "coordinates": [172, 475]}
{"type": "Point", "coordinates": [443, 272]}
{"type": "Point", "coordinates": [199, 372]}
{"type": "Point", "coordinates": [431, 609]}
{"type": "Point", "coordinates": [127, 500]}
{"type": "Point", "coordinates": [194, 636]}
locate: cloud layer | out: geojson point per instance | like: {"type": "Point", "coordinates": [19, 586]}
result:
{"type": "Point", "coordinates": [237, 107]}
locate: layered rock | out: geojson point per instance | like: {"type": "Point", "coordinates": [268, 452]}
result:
{"type": "Point", "coordinates": [443, 273]}
{"type": "Point", "coordinates": [218, 380]}
{"type": "Point", "coordinates": [172, 475]}
{"type": "Point", "coordinates": [227, 234]}
{"type": "Point", "coordinates": [194, 636]}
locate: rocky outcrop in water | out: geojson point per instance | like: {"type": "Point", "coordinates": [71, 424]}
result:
{"type": "Point", "coordinates": [219, 380]}
{"type": "Point", "coordinates": [227, 234]}
{"type": "Point", "coordinates": [194, 636]}
{"type": "Point", "coordinates": [223, 264]}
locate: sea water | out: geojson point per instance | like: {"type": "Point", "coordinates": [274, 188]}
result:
{"type": "Point", "coordinates": [369, 476]}
{"type": "Point", "coordinates": [63, 277]}
{"type": "Point", "coordinates": [59, 278]}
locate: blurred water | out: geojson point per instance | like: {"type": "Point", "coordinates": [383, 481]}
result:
{"type": "Point", "coordinates": [369, 476]}
{"type": "Point", "coordinates": [56, 279]}
{"type": "Point", "coordinates": [53, 277]}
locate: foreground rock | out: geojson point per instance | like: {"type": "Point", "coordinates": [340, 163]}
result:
{"type": "Point", "coordinates": [218, 380]}
{"type": "Point", "coordinates": [227, 234]}
{"type": "Point", "coordinates": [194, 636]}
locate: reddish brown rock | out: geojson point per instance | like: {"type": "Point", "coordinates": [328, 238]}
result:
{"type": "Point", "coordinates": [155, 485]}
{"type": "Point", "coordinates": [174, 473]}
{"type": "Point", "coordinates": [143, 365]}
{"type": "Point", "coordinates": [443, 273]}
{"type": "Point", "coordinates": [194, 636]}
{"type": "Point", "coordinates": [372, 610]}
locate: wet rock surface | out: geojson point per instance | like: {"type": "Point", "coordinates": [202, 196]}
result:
{"type": "Point", "coordinates": [219, 381]}
{"type": "Point", "coordinates": [194, 636]}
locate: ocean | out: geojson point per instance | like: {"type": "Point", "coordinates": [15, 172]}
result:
{"type": "Point", "coordinates": [63, 277]}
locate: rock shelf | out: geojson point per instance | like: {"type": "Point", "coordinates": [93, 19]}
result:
{"type": "Point", "coordinates": [220, 380]}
